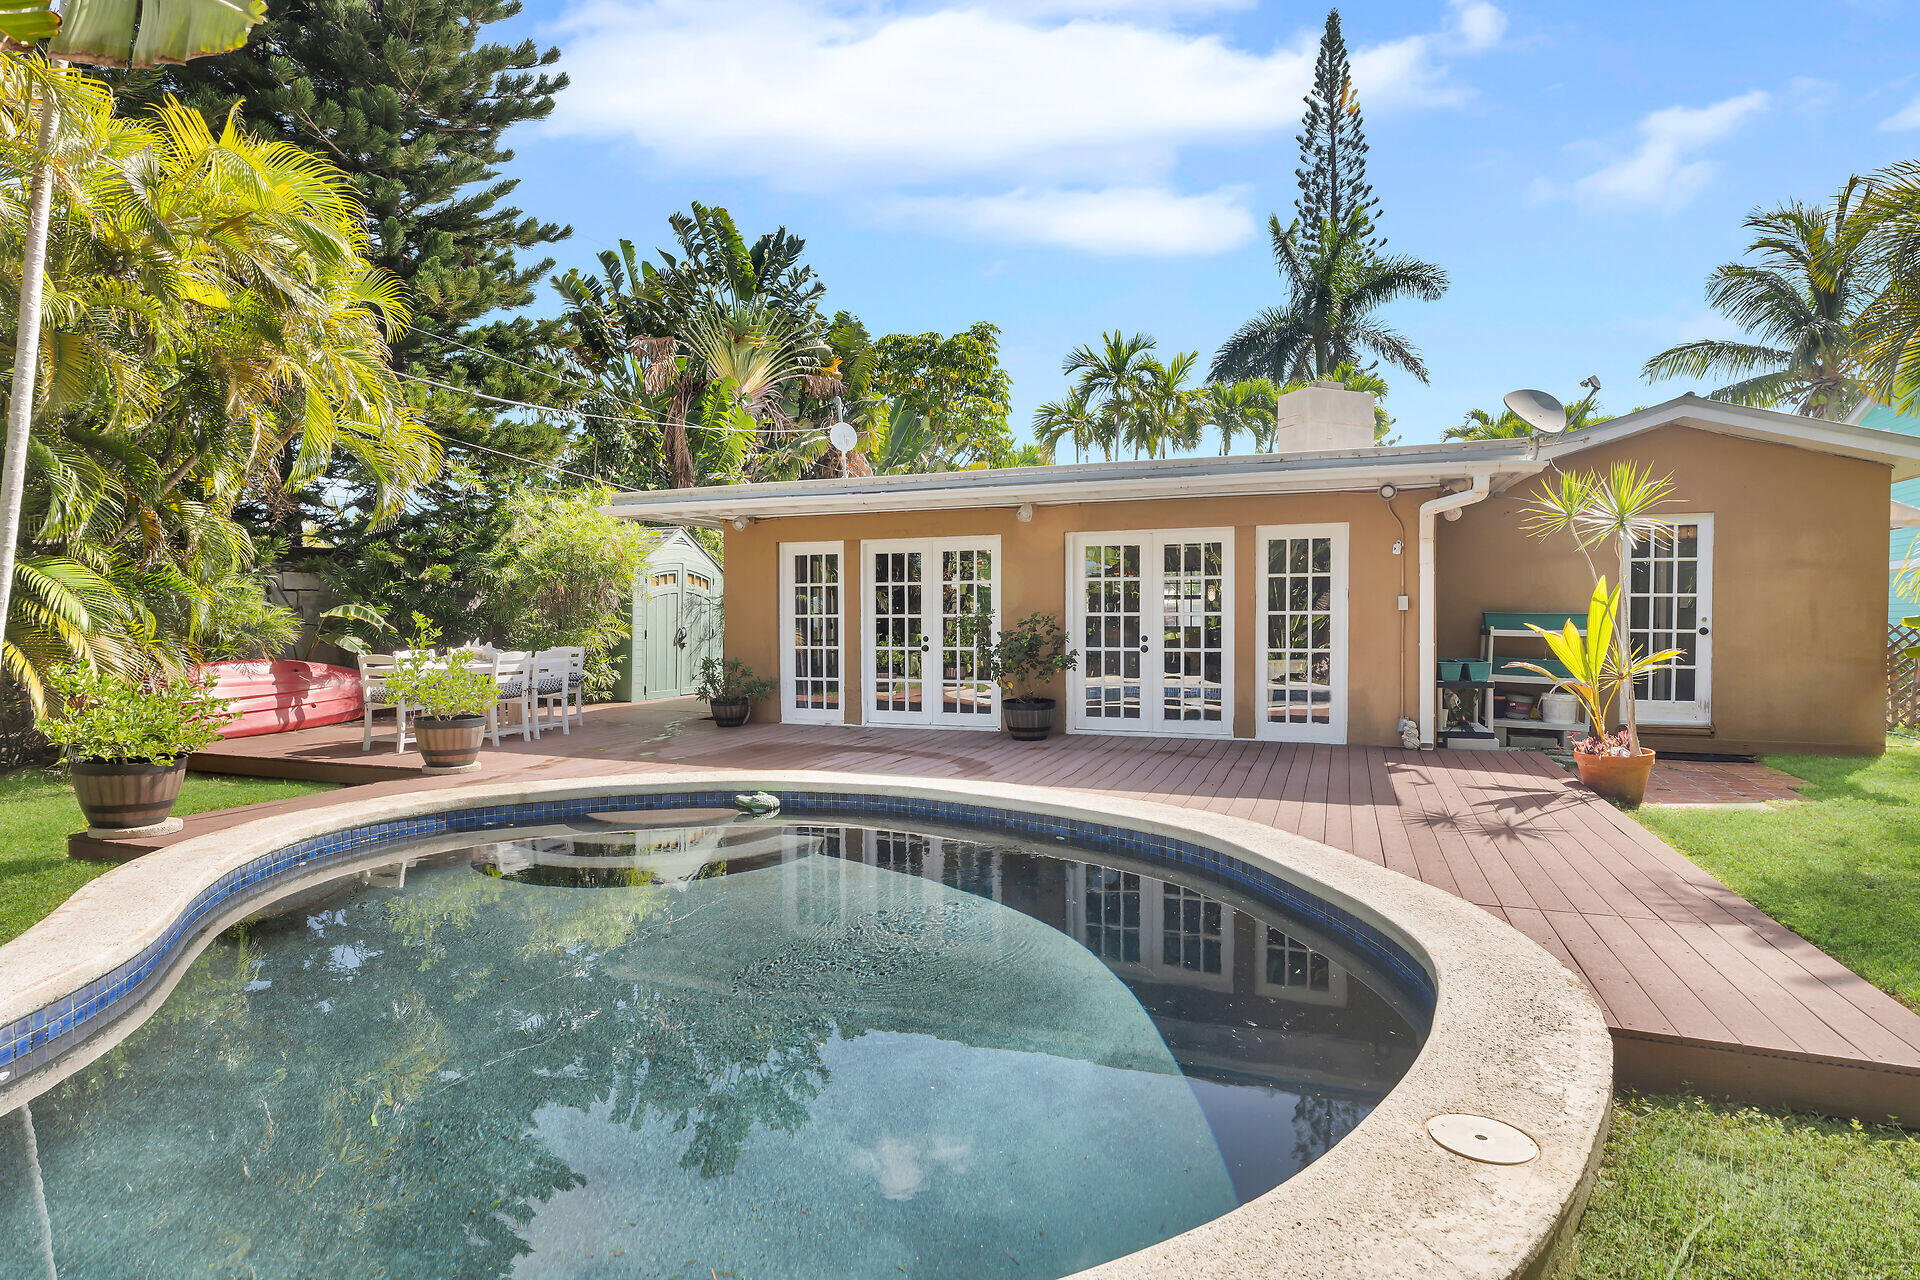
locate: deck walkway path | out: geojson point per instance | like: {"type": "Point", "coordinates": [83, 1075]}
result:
{"type": "Point", "coordinates": [1698, 984]}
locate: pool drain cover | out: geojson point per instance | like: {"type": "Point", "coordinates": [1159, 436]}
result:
{"type": "Point", "coordinates": [1478, 1138]}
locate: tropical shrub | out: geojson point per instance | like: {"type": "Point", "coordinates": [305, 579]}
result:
{"type": "Point", "coordinates": [563, 575]}
{"type": "Point", "coordinates": [97, 715]}
{"type": "Point", "coordinates": [212, 330]}
{"type": "Point", "coordinates": [1024, 656]}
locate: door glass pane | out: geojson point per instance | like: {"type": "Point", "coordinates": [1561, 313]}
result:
{"type": "Point", "coordinates": [1192, 601]}
{"type": "Point", "coordinates": [898, 601]}
{"type": "Point", "coordinates": [1299, 641]}
{"type": "Point", "coordinates": [966, 614]}
{"type": "Point", "coordinates": [1110, 662]}
{"type": "Point", "coordinates": [1663, 612]}
{"type": "Point", "coordinates": [816, 631]}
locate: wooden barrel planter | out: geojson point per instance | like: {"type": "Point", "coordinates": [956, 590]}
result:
{"type": "Point", "coordinates": [120, 795]}
{"type": "Point", "coordinates": [449, 743]}
{"type": "Point", "coordinates": [1029, 719]}
{"type": "Point", "coordinates": [731, 713]}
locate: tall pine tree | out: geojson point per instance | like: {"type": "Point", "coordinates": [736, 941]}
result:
{"type": "Point", "coordinates": [408, 98]}
{"type": "Point", "coordinates": [1333, 148]}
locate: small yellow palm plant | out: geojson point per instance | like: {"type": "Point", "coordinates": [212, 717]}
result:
{"type": "Point", "coordinates": [1598, 670]}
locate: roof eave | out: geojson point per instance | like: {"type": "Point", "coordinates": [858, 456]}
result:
{"type": "Point", "coordinates": [713, 508]}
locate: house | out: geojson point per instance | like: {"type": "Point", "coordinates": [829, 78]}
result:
{"type": "Point", "coordinates": [675, 621]}
{"type": "Point", "coordinates": [1903, 523]}
{"type": "Point", "coordinates": [1306, 595]}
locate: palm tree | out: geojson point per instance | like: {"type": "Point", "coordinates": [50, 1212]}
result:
{"type": "Point", "coordinates": [1167, 414]}
{"type": "Point", "coordinates": [1244, 407]}
{"type": "Point", "coordinates": [108, 32]}
{"type": "Point", "coordinates": [211, 331]}
{"type": "Point", "coordinates": [1801, 302]}
{"type": "Point", "coordinates": [1890, 326]}
{"type": "Point", "coordinates": [1335, 283]}
{"type": "Point", "coordinates": [1113, 375]}
{"type": "Point", "coordinates": [1072, 418]}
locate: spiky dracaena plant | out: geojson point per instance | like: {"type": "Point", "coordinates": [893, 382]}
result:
{"type": "Point", "coordinates": [1603, 512]}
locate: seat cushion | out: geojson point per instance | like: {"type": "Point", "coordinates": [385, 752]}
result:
{"type": "Point", "coordinates": [549, 685]}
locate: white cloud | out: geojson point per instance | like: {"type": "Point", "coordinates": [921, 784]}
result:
{"type": "Point", "coordinates": [1907, 117]}
{"type": "Point", "coordinates": [1664, 171]}
{"type": "Point", "coordinates": [1129, 221]}
{"type": "Point", "coordinates": [1478, 24]}
{"type": "Point", "coordinates": [1069, 99]}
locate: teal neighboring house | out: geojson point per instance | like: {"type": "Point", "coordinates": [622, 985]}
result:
{"type": "Point", "coordinates": [1903, 533]}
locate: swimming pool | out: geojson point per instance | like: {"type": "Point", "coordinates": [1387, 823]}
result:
{"type": "Point", "coordinates": [900, 1031]}
{"type": "Point", "coordinates": [743, 1048]}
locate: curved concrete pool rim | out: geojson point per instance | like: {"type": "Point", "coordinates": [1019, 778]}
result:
{"type": "Point", "coordinates": [1514, 1036]}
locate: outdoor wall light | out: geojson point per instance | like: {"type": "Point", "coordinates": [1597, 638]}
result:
{"type": "Point", "coordinates": [1388, 492]}
{"type": "Point", "coordinates": [741, 522]}
{"type": "Point", "coordinates": [1025, 514]}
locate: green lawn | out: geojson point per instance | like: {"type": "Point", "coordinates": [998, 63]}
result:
{"type": "Point", "coordinates": [1691, 1191]}
{"type": "Point", "coordinates": [35, 873]}
{"type": "Point", "coordinates": [1840, 868]}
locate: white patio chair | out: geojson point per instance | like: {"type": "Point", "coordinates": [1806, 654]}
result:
{"type": "Point", "coordinates": [374, 668]}
{"type": "Point", "coordinates": [561, 684]}
{"type": "Point", "coordinates": [513, 673]}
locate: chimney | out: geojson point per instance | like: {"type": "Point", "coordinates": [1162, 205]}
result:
{"type": "Point", "coordinates": [1324, 416]}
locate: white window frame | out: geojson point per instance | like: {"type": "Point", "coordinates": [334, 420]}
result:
{"type": "Point", "coordinates": [789, 714]}
{"type": "Point", "coordinates": [929, 548]}
{"type": "Point", "coordinates": [1700, 710]}
{"type": "Point", "coordinates": [1340, 678]}
{"type": "Point", "coordinates": [1152, 543]}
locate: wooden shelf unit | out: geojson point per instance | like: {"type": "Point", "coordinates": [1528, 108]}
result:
{"type": "Point", "coordinates": [1495, 627]}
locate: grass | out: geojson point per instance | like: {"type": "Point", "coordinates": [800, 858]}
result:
{"type": "Point", "coordinates": [1695, 1191]}
{"type": "Point", "coordinates": [35, 873]}
{"type": "Point", "coordinates": [1841, 868]}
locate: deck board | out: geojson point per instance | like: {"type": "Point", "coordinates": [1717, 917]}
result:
{"type": "Point", "coordinates": [1676, 960]}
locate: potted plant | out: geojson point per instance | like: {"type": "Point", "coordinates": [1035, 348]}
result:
{"type": "Point", "coordinates": [1606, 513]}
{"type": "Point", "coordinates": [730, 690]}
{"type": "Point", "coordinates": [450, 702]}
{"type": "Point", "coordinates": [126, 743]}
{"type": "Point", "coordinates": [1022, 659]}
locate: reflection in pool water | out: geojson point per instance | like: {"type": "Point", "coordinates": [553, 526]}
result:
{"type": "Point", "coordinates": [750, 1049]}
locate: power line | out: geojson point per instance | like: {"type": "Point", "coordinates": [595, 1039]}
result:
{"type": "Point", "coordinates": [550, 466]}
{"type": "Point", "coordinates": [494, 355]}
{"type": "Point", "coordinates": [627, 420]}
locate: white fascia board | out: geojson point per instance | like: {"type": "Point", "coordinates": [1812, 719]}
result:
{"type": "Point", "coordinates": [1046, 486]}
{"type": "Point", "coordinates": [1817, 435]}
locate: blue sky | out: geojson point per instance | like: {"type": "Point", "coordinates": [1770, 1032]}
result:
{"type": "Point", "coordinates": [1060, 167]}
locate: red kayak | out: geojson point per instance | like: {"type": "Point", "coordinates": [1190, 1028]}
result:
{"type": "Point", "coordinates": [274, 696]}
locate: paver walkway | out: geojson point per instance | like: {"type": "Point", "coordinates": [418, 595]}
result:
{"type": "Point", "coordinates": [1698, 984]}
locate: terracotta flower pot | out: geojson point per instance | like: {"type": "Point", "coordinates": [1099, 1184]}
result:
{"type": "Point", "coordinates": [731, 713]}
{"type": "Point", "coordinates": [450, 742]}
{"type": "Point", "coordinates": [1622, 779]}
{"type": "Point", "coordinates": [119, 795]}
{"type": "Point", "coordinates": [1028, 719]}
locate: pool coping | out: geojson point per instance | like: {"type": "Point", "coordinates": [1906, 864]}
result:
{"type": "Point", "coordinates": [1515, 1036]}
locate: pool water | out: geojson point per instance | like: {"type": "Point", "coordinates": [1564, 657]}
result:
{"type": "Point", "coordinates": [750, 1049]}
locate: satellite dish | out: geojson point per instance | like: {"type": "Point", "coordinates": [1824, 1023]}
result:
{"type": "Point", "coordinates": [843, 437]}
{"type": "Point", "coordinates": [1538, 410]}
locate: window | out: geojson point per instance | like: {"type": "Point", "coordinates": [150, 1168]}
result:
{"type": "Point", "coordinates": [699, 581]}
{"type": "Point", "coordinates": [671, 578]}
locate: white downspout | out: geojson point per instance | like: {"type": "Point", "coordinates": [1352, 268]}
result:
{"type": "Point", "coordinates": [1450, 505]}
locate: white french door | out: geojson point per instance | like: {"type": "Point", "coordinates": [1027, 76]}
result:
{"type": "Point", "coordinates": [1669, 605]}
{"type": "Point", "coordinates": [1303, 632]}
{"type": "Point", "coordinates": [920, 646]}
{"type": "Point", "coordinates": [1152, 613]}
{"type": "Point", "coordinates": [810, 614]}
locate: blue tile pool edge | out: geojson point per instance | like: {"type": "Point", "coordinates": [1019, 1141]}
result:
{"type": "Point", "coordinates": [46, 1033]}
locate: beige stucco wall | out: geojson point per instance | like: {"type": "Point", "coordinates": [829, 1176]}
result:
{"type": "Point", "coordinates": [1798, 641]}
{"type": "Point", "coordinates": [1033, 580]}
{"type": "Point", "coordinates": [1798, 585]}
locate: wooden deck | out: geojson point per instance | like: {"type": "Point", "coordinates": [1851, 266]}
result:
{"type": "Point", "coordinates": [1699, 986]}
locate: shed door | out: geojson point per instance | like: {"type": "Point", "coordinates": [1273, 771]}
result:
{"type": "Point", "coordinates": [1669, 602]}
{"type": "Point", "coordinates": [666, 672]}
